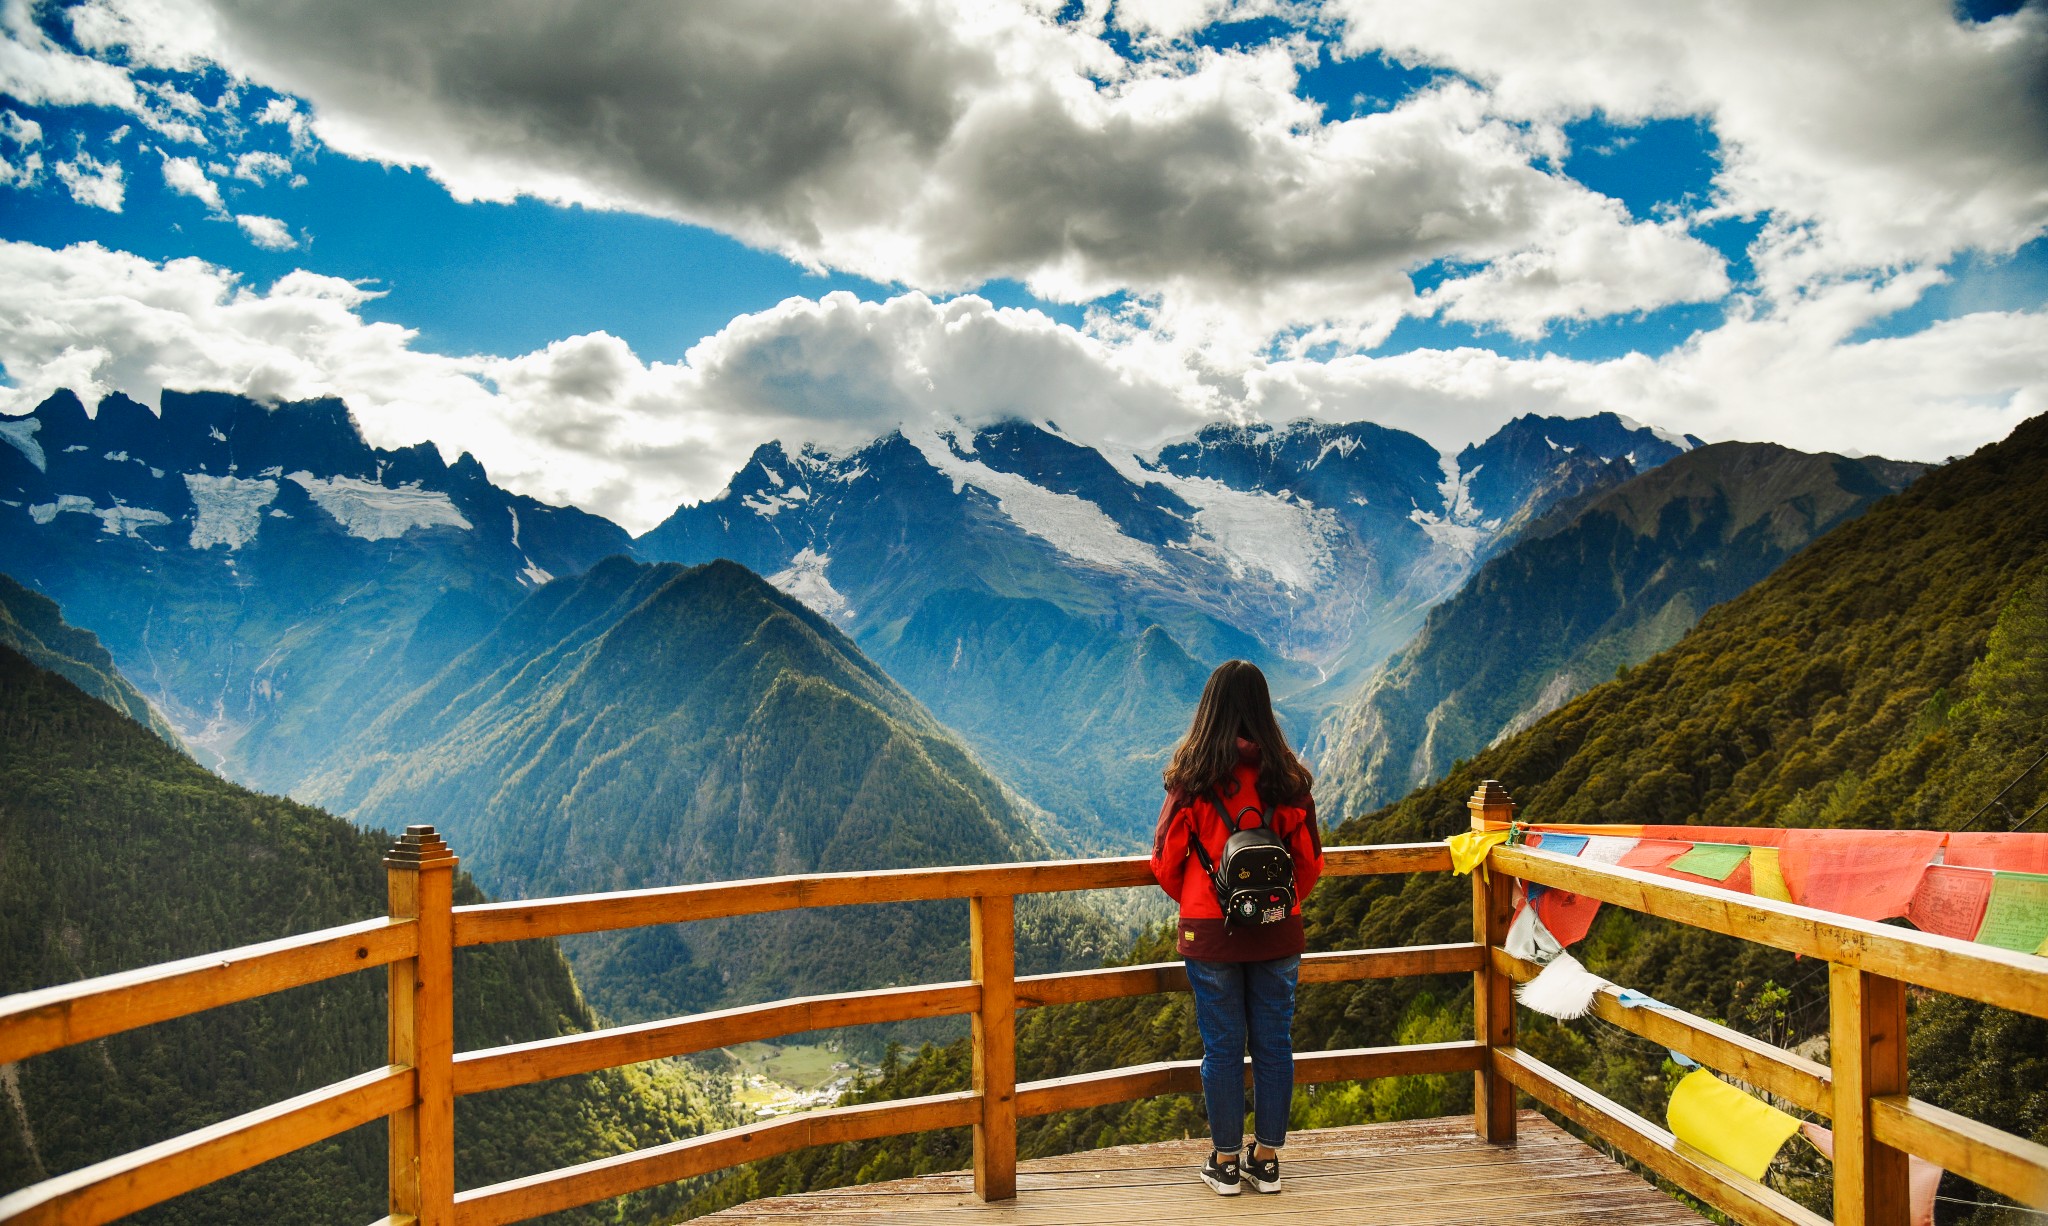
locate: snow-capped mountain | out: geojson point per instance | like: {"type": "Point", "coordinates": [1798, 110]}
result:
{"type": "Point", "coordinates": [1021, 583]}
{"type": "Point", "coordinates": [264, 575]}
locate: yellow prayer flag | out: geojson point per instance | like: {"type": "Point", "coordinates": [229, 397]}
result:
{"type": "Point", "coordinates": [1766, 879]}
{"type": "Point", "coordinates": [1468, 850]}
{"type": "Point", "coordinates": [1724, 1123]}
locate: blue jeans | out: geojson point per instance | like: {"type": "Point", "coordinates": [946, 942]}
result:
{"type": "Point", "coordinates": [1236, 1001]}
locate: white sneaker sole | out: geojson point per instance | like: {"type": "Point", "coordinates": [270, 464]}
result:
{"type": "Point", "coordinates": [1258, 1186]}
{"type": "Point", "coordinates": [1219, 1187]}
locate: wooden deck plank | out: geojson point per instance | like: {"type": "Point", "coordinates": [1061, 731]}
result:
{"type": "Point", "coordinates": [1418, 1173]}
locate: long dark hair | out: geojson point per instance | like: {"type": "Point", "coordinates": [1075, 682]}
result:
{"type": "Point", "coordinates": [1236, 703]}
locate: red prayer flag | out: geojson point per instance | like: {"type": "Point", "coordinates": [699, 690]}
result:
{"type": "Point", "coordinates": [1651, 855]}
{"type": "Point", "coordinates": [1950, 901]}
{"type": "Point", "coordinates": [2014, 853]}
{"type": "Point", "coordinates": [1568, 916]}
{"type": "Point", "coordinates": [1870, 874]}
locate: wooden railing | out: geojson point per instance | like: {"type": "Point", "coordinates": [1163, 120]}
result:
{"type": "Point", "coordinates": [1862, 1091]}
{"type": "Point", "coordinates": [1876, 1123]}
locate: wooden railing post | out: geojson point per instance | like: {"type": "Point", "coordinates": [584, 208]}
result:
{"type": "Point", "coordinates": [1493, 994]}
{"type": "Point", "coordinates": [993, 934]}
{"type": "Point", "coordinates": [1867, 1049]}
{"type": "Point", "coordinates": [421, 872]}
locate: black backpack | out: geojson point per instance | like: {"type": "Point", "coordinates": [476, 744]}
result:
{"type": "Point", "coordinates": [1255, 882]}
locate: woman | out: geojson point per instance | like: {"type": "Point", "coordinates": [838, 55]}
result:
{"type": "Point", "coordinates": [1243, 976]}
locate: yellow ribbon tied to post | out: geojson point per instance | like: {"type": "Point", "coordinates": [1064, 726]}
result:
{"type": "Point", "coordinates": [1724, 1123]}
{"type": "Point", "coordinates": [1468, 850]}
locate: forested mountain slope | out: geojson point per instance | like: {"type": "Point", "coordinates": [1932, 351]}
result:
{"type": "Point", "coordinates": [658, 725]}
{"type": "Point", "coordinates": [1594, 586]}
{"type": "Point", "coordinates": [1892, 674]}
{"type": "Point", "coordinates": [119, 852]}
{"type": "Point", "coordinates": [31, 624]}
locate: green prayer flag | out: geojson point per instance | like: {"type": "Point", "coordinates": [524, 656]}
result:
{"type": "Point", "coordinates": [1715, 860]}
{"type": "Point", "coordinates": [2016, 917]}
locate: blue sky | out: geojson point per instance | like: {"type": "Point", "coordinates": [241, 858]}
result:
{"type": "Point", "coordinates": [1434, 218]}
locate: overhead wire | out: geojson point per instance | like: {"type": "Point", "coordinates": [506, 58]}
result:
{"type": "Point", "coordinates": [1986, 808]}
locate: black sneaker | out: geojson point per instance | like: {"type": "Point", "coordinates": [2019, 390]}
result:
{"type": "Point", "coordinates": [1263, 1174]}
{"type": "Point", "coordinates": [1221, 1177]}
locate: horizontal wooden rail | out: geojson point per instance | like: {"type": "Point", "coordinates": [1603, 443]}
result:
{"type": "Point", "coordinates": [1792, 1077]}
{"type": "Point", "coordinates": [519, 1199]}
{"type": "Point", "coordinates": [1725, 1189]}
{"type": "Point", "coordinates": [1985, 973]}
{"type": "Point", "coordinates": [2009, 1165]}
{"type": "Point", "coordinates": [1122, 1085]}
{"type": "Point", "coordinates": [32, 1023]}
{"type": "Point", "coordinates": [1110, 983]}
{"type": "Point", "coordinates": [485, 923]}
{"type": "Point", "coordinates": [120, 1186]}
{"type": "Point", "coordinates": [521, 1063]}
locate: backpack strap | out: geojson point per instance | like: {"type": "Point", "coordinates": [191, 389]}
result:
{"type": "Point", "coordinates": [1202, 853]}
{"type": "Point", "coordinates": [1230, 823]}
{"type": "Point", "coordinates": [1231, 820]}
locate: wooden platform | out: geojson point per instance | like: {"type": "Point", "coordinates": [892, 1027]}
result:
{"type": "Point", "coordinates": [1418, 1173]}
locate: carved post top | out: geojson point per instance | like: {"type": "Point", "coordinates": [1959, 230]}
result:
{"type": "Point", "coordinates": [419, 848]}
{"type": "Point", "coordinates": [1490, 802]}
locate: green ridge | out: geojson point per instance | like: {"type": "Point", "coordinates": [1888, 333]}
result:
{"type": "Point", "coordinates": [31, 624]}
{"type": "Point", "coordinates": [116, 852]}
{"type": "Point", "coordinates": [1596, 586]}
{"type": "Point", "coordinates": [658, 725]}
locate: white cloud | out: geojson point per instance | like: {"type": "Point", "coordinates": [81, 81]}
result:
{"type": "Point", "coordinates": [261, 167]}
{"type": "Point", "coordinates": [92, 182]}
{"type": "Point", "coordinates": [19, 130]}
{"type": "Point", "coordinates": [942, 143]}
{"type": "Point", "coordinates": [1875, 133]}
{"type": "Point", "coordinates": [36, 71]}
{"type": "Point", "coordinates": [186, 177]}
{"type": "Point", "coordinates": [286, 111]}
{"type": "Point", "coordinates": [584, 420]}
{"type": "Point", "coordinates": [22, 165]}
{"type": "Point", "coordinates": [266, 232]}
{"type": "Point", "coordinates": [24, 169]}
{"type": "Point", "coordinates": [1793, 377]}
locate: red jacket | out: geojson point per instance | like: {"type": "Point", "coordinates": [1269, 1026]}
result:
{"type": "Point", "coordinates": [1202, 933]}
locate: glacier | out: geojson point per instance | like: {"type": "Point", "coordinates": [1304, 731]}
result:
{"type": "Point", "coordinates": [377, 512]}
{"type": "Point", "coordinates": [805, 580]}
{"type": "Point", "coordinates": [230, 509]}
{"type": "Point", "coordinates": [21, 431]}
{"type": "Point", "coordinates": [1074, 526]}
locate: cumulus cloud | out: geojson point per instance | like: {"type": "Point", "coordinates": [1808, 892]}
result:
{"type": "Point", "coordinates": [187, 177]}
{"type": "Point", "coordinates": [260, 167]}
{"type": "Point", "coordinates": [266, 232]}
{"type": "Point", "coordinates": [1872, 133]}
{"type": "Point", "coordinates": [91, 182]}
{"type": "Point", "coordinates": [1790, 378]}
{"type": "Point", "coordinates": [943, 143]}
{"type": "Point", "coordinates": [22, 164]}
{"type": "Point", "coordinates": [582, 420]}
{"type": "Point", "coordinates": [37, 71]}
{"type": "Point", "coordinates": [585, 420]}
